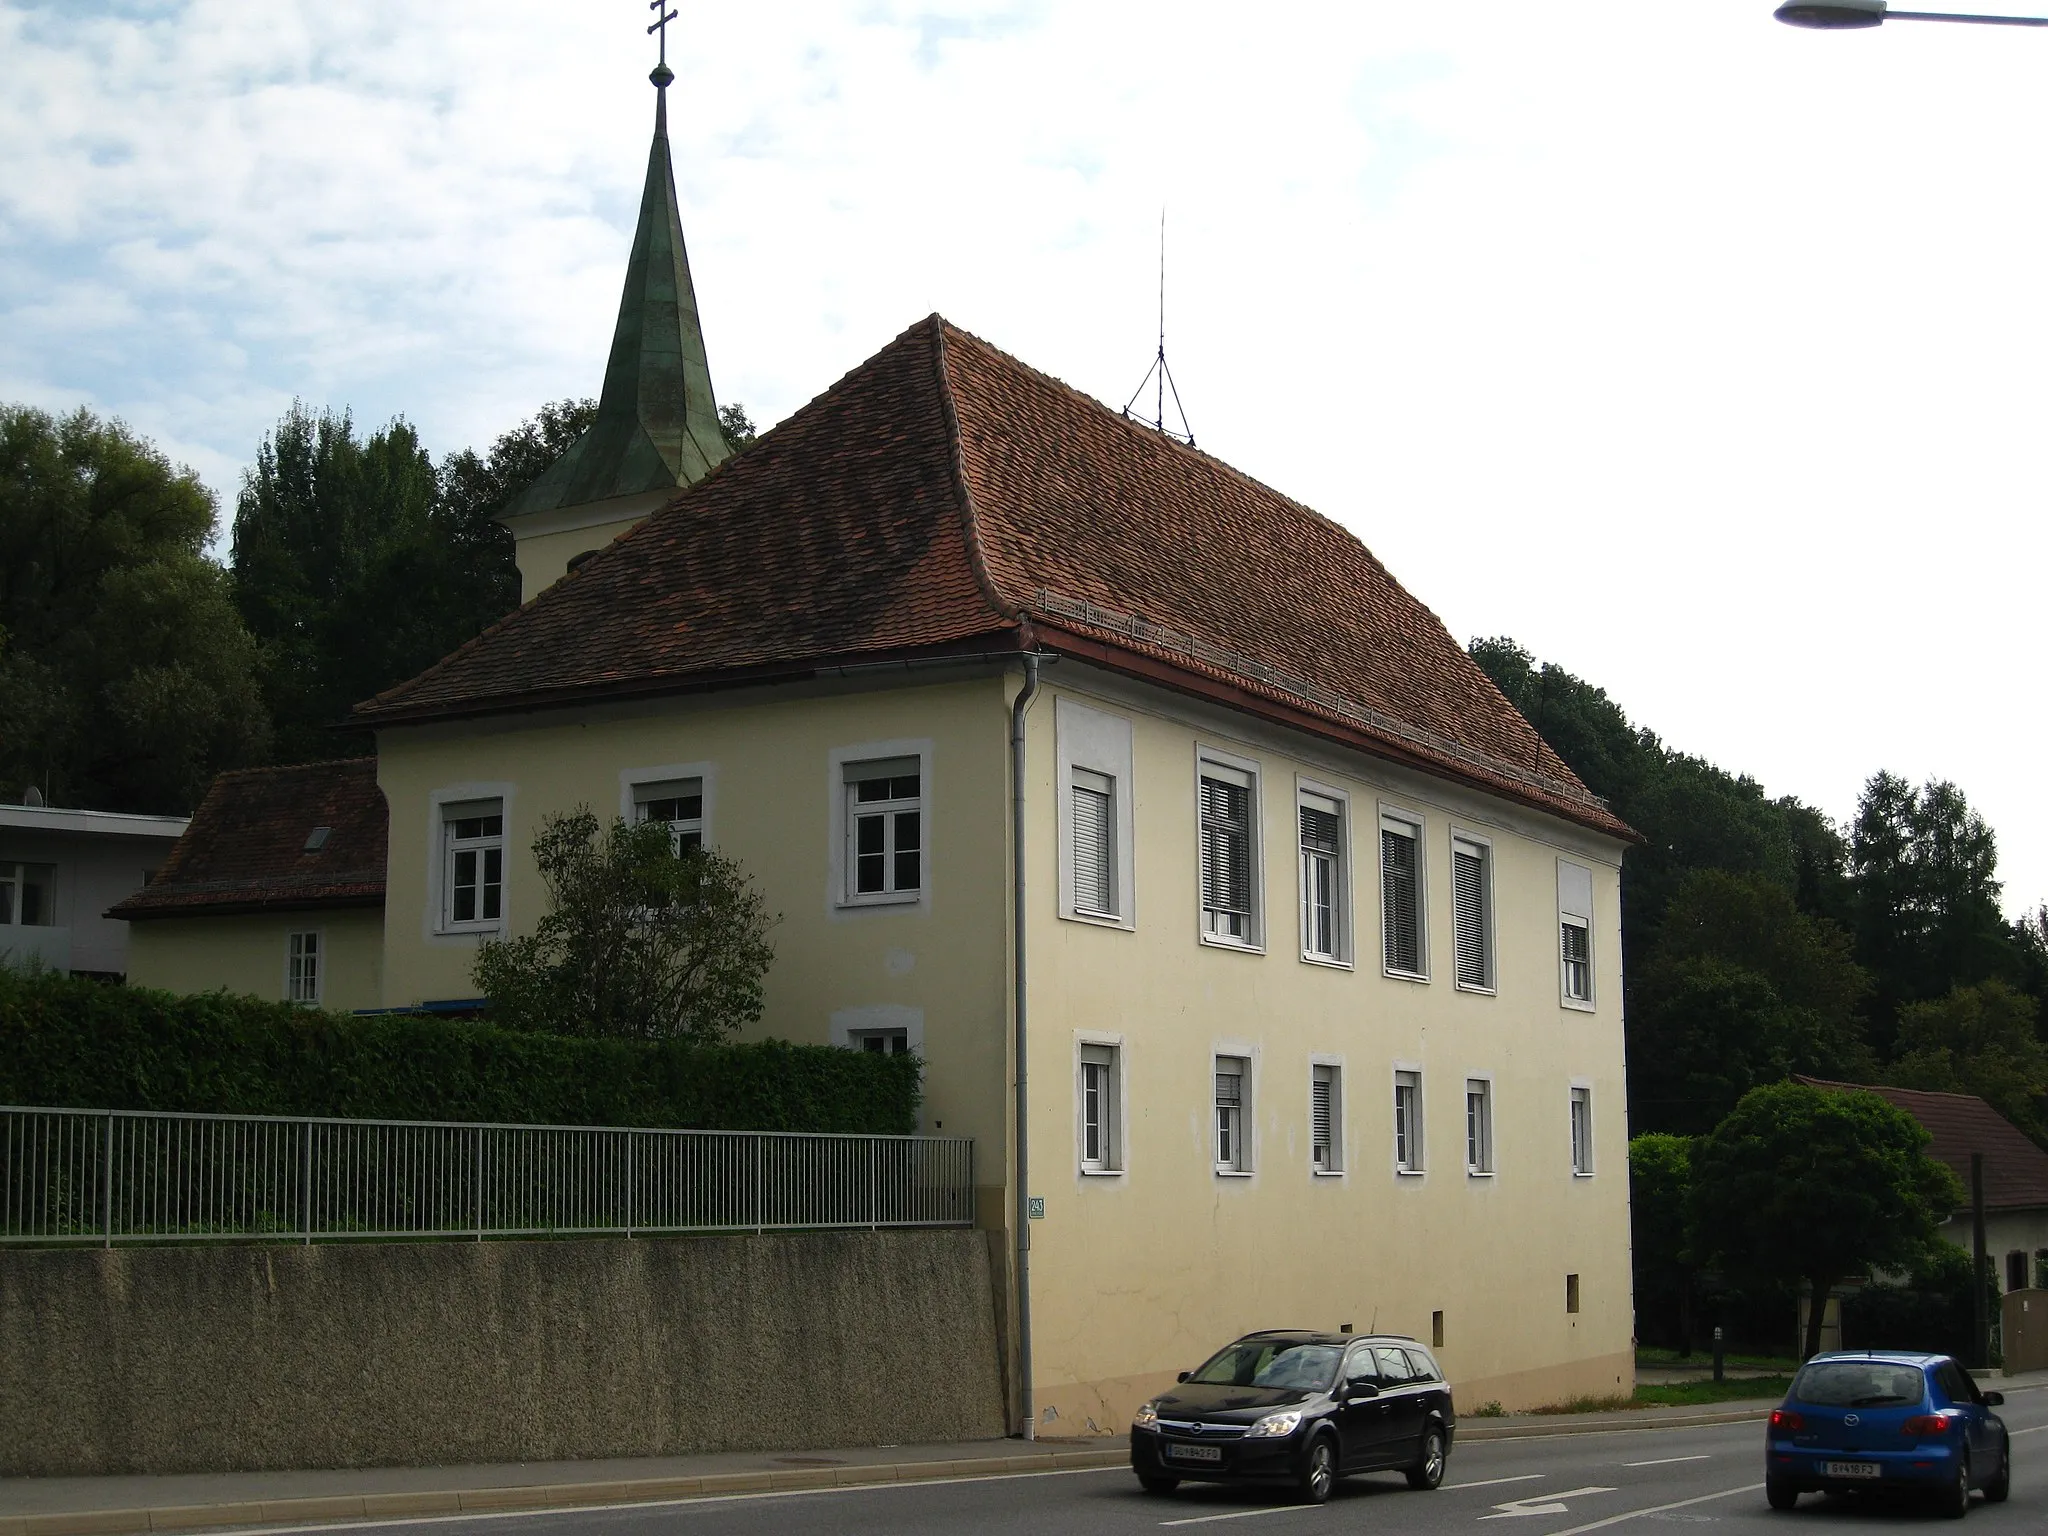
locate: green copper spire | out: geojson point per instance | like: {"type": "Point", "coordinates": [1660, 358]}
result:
{"type": "Point", "coordinates": [657, 421]}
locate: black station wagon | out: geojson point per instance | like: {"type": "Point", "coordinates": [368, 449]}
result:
{"type": "Point", "coordinates": [1299, 1410]}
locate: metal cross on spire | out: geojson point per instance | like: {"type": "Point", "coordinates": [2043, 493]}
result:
{"type": "Point", "coordinates": [662, 74]}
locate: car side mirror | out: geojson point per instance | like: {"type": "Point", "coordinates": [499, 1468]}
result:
{"type": "Point", "coordinates": [1362, 1386]}
{"type": "Point", "coordinates": [1994, 1399]}
{"type": "Point", "coordinates": [1184, 1375]}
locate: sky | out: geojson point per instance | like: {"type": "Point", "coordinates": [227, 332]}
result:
{"type": "Point", "coordinates": [1700, 355]}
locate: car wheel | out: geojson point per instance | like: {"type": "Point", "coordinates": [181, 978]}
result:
{"type": "Point", "coordinates": [1158, 1485]}
{"type": "Point", "coordinates": [1955, 1499]}
{"type": "Point", "coordinates": [1996, 1489]}
{"type": "Point", "coordinates": [1319, 1470]}
{"type": "Point", "coordinates": [1780, 1494]}
{"type": "Point", "coordinates": [1429, 1472]}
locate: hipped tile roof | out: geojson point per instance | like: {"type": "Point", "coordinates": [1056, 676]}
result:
{"type": "Point", "coordinates": [2015, 1169]}
{"type": "Point", "coordinates": [943, 497]}
{"type": "Point", "coordinates": [246, 846]}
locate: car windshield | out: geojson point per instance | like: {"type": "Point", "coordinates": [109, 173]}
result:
{"type": "Point", "coordinates": [1858, 1384]}
{"type": "Point", "coordinates": [1273, 1363]}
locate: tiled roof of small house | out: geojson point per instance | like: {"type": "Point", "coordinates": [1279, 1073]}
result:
{"type": "Point", "coordinates": [942, 498]}
{"type": "Point", "coordinates": [306, 835]}
{"type": "Point", "coordinates": [2015, 1170]}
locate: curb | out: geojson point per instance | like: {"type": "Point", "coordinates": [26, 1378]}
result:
{"type": "Point", "coordinates": [540, 1496]}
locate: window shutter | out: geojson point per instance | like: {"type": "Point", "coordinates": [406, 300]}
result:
{"type": "Point", "coordinates": [1468, 886]}
{"type": "Point", "coordinates": [1319, 1116]}
{"type": "Point", "coordinates": [1226, 847]}
{"type": "Point", "coordinates": [1229, 1088]}
{"type": "Point", "coordinates": [1094, 843]}
{"type": "Point", "coordinates": [1319, 830]}
{"type": "Point", "coordinates": [1401, 916]}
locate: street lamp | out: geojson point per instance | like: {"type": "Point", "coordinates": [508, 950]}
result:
{"type": "Point", "coordinates": [1840, 15]}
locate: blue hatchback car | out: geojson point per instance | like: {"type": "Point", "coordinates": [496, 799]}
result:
{"type": "Point", "coordinates": [1883, 1421]}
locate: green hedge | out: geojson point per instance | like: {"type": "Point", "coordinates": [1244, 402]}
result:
{"type": "Point", "coordinates": [90, 1045]}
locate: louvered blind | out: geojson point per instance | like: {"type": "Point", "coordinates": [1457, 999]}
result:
{"type": "Point", "coordinates": [1094, 818]}
{"type": "Point", "coordinates": [1226, 847]}
{"type": "Point", "coordinates": [1319, 830]}
{"type": "Point", "coordinates": [1229, 1087]}
{"type": "Point", "coordinates": [1578, 969]}
{"type": "Point", "coordinates": [1468, 888]}
{"type": "Point", "coordinates": [1400, 899]}
{"type": "Point", "coordinates": [1320, 1119]}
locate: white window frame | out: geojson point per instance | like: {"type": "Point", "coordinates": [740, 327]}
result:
{"type": "Point", "coordinates": [14, 875]}
{"type": "Point", "coordinates": [293, 958]}
{"type": "Point", "coordinates": [1240, 1164]}
{"type": "Point", "coordinates": [1342, 951]}
{"type": "Point", "coordinates": [1581, 1145]}
{"type": "Point", "coordinates": [634, 780]}
{"type": "Point", "coordinates": [1093, 741]}
{"type": "Point", "coordinates": [1417, 829]}
{"type": "Point", "coordinates": [449, 808]}
{"type": "Point", "coordinates": [1254, 938]}
{"type": "Point", "coordinates": [1333, 1066]}
{"type": "Point", "coordinates": [1567, 917]}
{"type": "Point", "coordinates": [1463, 841]}
{"type": "Point", "coordinates": [1408, 1074]}
{"type": "Point", "coordinates": [1111, 1153]}
{"type": "Point", "coordinates": [1486, 1165]}
{"type": "Point", "coordinates": [841, 898]}
{"type": "Point", "coordinates": [434, 927]}
{"type": "Point", "coordinates": [852, 1028]}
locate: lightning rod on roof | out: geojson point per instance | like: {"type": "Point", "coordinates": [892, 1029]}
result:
{"type": "Point", "coordinates": [1159, 376]}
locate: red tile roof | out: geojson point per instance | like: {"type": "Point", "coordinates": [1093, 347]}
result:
{"type": "Point", "coordinates": [2015, 1169]}
{"type": "Point", "coordinates": [942, 498]}
{"type": "Point", "coordinates": [246, 847]}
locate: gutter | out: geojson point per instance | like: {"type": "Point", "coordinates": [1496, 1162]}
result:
{"type": "Point", "coordinates": [1018, 706]}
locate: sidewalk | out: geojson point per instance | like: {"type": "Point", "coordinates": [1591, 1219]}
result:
{"type": "Point", "coordinates": [118, 1506]}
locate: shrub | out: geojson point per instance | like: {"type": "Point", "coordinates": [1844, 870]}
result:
{"type": "Point", "coordinates": [89, 1045]}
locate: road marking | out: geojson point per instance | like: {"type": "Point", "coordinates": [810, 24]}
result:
{"type": "Point", "coordinates": [549, 1512]}
{"type": "Point", "coordinates": [1656, 1509]}
{"type": "Point", "coordinates": [1241, 1514]}
{"type": "Point", "coordinates": [1495, 1482]}
{"type": "Point", "coordinates": [1540, 1504]}
{"type": "Point", "coordinates": [2035, 1430]}
{"type": "Point", "coordinates": [1666, 1461]}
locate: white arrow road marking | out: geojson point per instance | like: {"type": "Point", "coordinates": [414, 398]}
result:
{"type": "Point", "coordinates": [1495, 1482]}
{"type": "Point", "coordinates": [1666, 1461]}
{"type": "Point", "coordinates": [1656, 1509]}
{"type": "Point", "coordinates": [1540, 1504]}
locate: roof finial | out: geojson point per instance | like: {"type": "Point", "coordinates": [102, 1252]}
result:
{"type": "Point", "coordinates": [1158, 374]}
{"type": "Point", "coordinates": [661, 75]}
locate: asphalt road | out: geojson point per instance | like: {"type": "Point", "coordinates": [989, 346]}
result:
{"type": "Point", "coordinates": [1625, 1481]}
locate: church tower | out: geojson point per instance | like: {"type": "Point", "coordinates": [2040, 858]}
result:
{"type": "Point", "coordinates": [657, 421]}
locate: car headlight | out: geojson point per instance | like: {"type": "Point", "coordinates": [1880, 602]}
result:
{"type": "Point", "coordinates": [1147, 1417]}
{"type": "Point", "coordinates": [1275, 1424]}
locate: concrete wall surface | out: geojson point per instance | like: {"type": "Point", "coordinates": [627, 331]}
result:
{"type": "Point", "coordinates": [199, 1359]}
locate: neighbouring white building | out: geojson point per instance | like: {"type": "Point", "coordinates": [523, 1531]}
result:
{"type": "Point", "coordinates": [60, 870]}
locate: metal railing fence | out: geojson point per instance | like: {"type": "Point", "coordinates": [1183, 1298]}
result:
{"type": "Point", "coordinates": [121, 1176]}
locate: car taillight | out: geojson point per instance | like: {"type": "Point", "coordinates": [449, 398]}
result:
{"type": "Point", "coordinates": [1927, 1424]}
{"type": "Point", "coordinates": [1782, 1418]}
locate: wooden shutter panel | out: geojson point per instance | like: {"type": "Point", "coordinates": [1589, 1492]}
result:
{"type": "Point", "coordinates": [1226, 847]}
{"type": "Point", "coordinates": [1468, 886]}
{"type": "Point", "coordinates": [1401, 915]}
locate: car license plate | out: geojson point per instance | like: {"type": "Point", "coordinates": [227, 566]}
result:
{"type": "Point", "coordinates": [1851, 1469]}
{"type": "Point", "coordinates": [1195, 1452]}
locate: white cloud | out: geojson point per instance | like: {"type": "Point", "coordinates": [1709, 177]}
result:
{"type": "Point", "coordinates": [1699, 354]}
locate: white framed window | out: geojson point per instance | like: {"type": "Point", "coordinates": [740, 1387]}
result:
{"type": "Point", "coordinates": [1326, 1117]}
{"type": "Point", "coordinates": [1582, 1130]}
{"type": "Point", "coordinates": [1228, 793]}
{"type": "Point", "coordinates": [885, 830]}
{"type": "Point", "coordinates": [28, 895]}
{"type": "Point", "coordinates": [302, 968]}
{"type": "Point", "coordinates": [1099, 1109]}
{"type": "Point", "coordinates": [1478, 1125]}
{"type": "Point", "coordinates": [472, 865]}
{"type": "Point", "coordinates": [1403, 934]}
{"type": "Point", "coordinates": [1233, 1103]}
{"type": "Point", "coordinates": [679, 802]}
{"type": "Point", "coordinates": [1408, 1130]}
{"type": "Point", "coordinates": [1094, 815]}
{"type": "Point", "coordinates": [880, 1042]}
{"type": "Point", "coordinates": [1321, 823]}
{"type": "Point", "coordinates": [1575, 934]}
{"type": "Point", "coordinates": [1472, 912]}
{"type": "Point", "coordinates": [1092, 867]}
